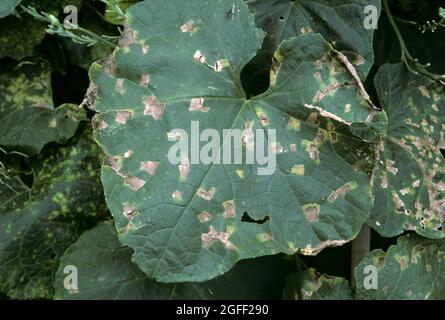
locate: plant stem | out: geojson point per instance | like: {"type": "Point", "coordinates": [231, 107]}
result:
{"type": "Point", "coordinates": [360, 247]}
{"type": "Point", "coordinates": [411, 63]}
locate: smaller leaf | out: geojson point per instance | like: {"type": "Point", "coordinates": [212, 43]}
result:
{"type": "Point", "coordinates": [28, 119]}
{"type": "Point", "coordinates": [411, 270]}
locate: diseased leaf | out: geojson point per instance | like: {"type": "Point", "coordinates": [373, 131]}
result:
{"type": "Point", "coordinates": [105, 271]}
{"type": "Point", "coordinates": [180, 62]}
{"type": "Point", "coordinates": [339, 21]}
{"type": "Point", "coordinates": [409, 175]}
{"type": "Point", "coordinates": [28, 119]}
{"type": "Point", "coordinates": [66, 198]}
{"type": "Point", "coordinates": [311, 285]}
{"type": "Point", "coordinates": [7, 6]}
{"type": "Point", "coordinates": [413, 269]}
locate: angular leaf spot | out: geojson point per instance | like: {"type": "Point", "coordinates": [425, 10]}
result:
{"type": "Point", "coordinates": [390, 167]}
{"type": "Point", "coordinates": [184, 169]}
{"type": "Point", "coordinates": [340, 192]}
{"type": "Point", "coordinates": [204, 216]}
{"type": "Point", "coordinates": [120, 85]}
{"type": "Point", "coordinates": [229, 209]}
{"type": "Point", "coordinates": [220, 64]}
{"type": "Point", "coordinates": [311, 211]}
{"type": "Point", "coordinates": [295, 124]}
{"type": "Point", "coordinates": [177, 196]}
{"type": "Point", "coordinates": [206, 195]}
{"type": "Point", "coordinates": [128, 153]}
{"type": "Point", "coordinates": [213, 235]}
{"type": "Point", "coordinates": [197, 104]}
{"type": "Point", "coordinates": [115, 163]}
{"type": "Point", "coordinates": [153, 107]}
{"type": "Point", "coordinates": [145, 79]}
{"type": "Point", "coordinates": [129, 212]}
{"type": "Point", "coordinates": [149, 167]}
{"type": "Point", "coordinates": [134, 182]}
{"type": "Point", "coordinates": [187, 27]}
{"type": "Point", "coordinates": [198, 56]}
{"type": "Point", "coordinates": [122, 117]}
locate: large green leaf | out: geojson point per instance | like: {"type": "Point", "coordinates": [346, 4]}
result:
{"type": "Point", "coordinates": [413, 269]}
{"type": "Point", "coordinates": [105, 271]}
{"type": "Point", "coordinates": [181, 62]}
{"type": "Point", "coordinates": [409, 174]}
{"type": "Point", "coordinates": [7, 6]}
{"type": "Point", "coordinates": [311, 285]}
{"type": "Point", "coordinates": [28, 119]}
{"type": "Point", "coordinates": [66, 198]}
{"type": "Point", "coordinates": [341, 22]}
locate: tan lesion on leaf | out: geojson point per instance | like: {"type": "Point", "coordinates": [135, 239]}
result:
{"type": "Point", "coordinates": [184, 169]}
{"type": "Point", "coordinates": [187, 27]}
{"type": "Point", "coordinates": [145, 80]}
{"type": "Point", "coordinates": [198, 56]}
{"type": "Point", "coordinates": [311, 212]}
{"type": "Point", "coordinates": [294, 124]}
{"type": "Point", "coordinates": [135, 183]}
{"type": "Point", "coordinates": [115, 163]}
{"type": "Point", "coordinates": [153, 107]}
{"type": "Point", "coordinates": [177, 196]}
{"type": "Point", "coordinates": [340, 192]}
{"type": "Point", "coordinates": [129, 211]}
{"type": "Point", "coordinates": [149, 167]}
{"type": "Point", "coordinates": [403, 261]}
{"type": "Point", "coordinates": [213, 235]}
{"type": "Point", "coordinates": [219, 65]}
{"type": "Point", "coordinates": [123, 116]}
{"type": "Point", "coordinates": [311, 251]}
{"type": "Point", "coordinates": [197, 104]}
{"type": "Point", "coordinates": [206, 195]}
{"type": "Point", "coordinates": [119, 87]}
{"type": "Point", "coordinates": [400, 205]}
{"type": "Point", "coordinates": [128, 153]}
{"type": "Point", "coordinates": [306, 29]}
{"type": "Point", "coordinates": [229, 209]}
{"type": "Point", "coordinates": [265, 236]}
{"type": "Point", "coordinates": [145, 48]}
{"type": "Point", "coordinates": [391, 168]}
{"type": "Point", "coordinates": [204, 216]}
{"type": "Point", "coordinates": [128, 36]}
{"type": "Point", "coordinates": [327, 114]}
{"type": "Point", "coordinates": [329, 90]}
{"type": "Point", "coordinates": [425, 92]}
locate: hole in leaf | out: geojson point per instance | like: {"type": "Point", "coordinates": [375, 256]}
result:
{"type": "Point", "coordinates": [281, 18]}
{"type": "Point", "coordinates": [249, 219]}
